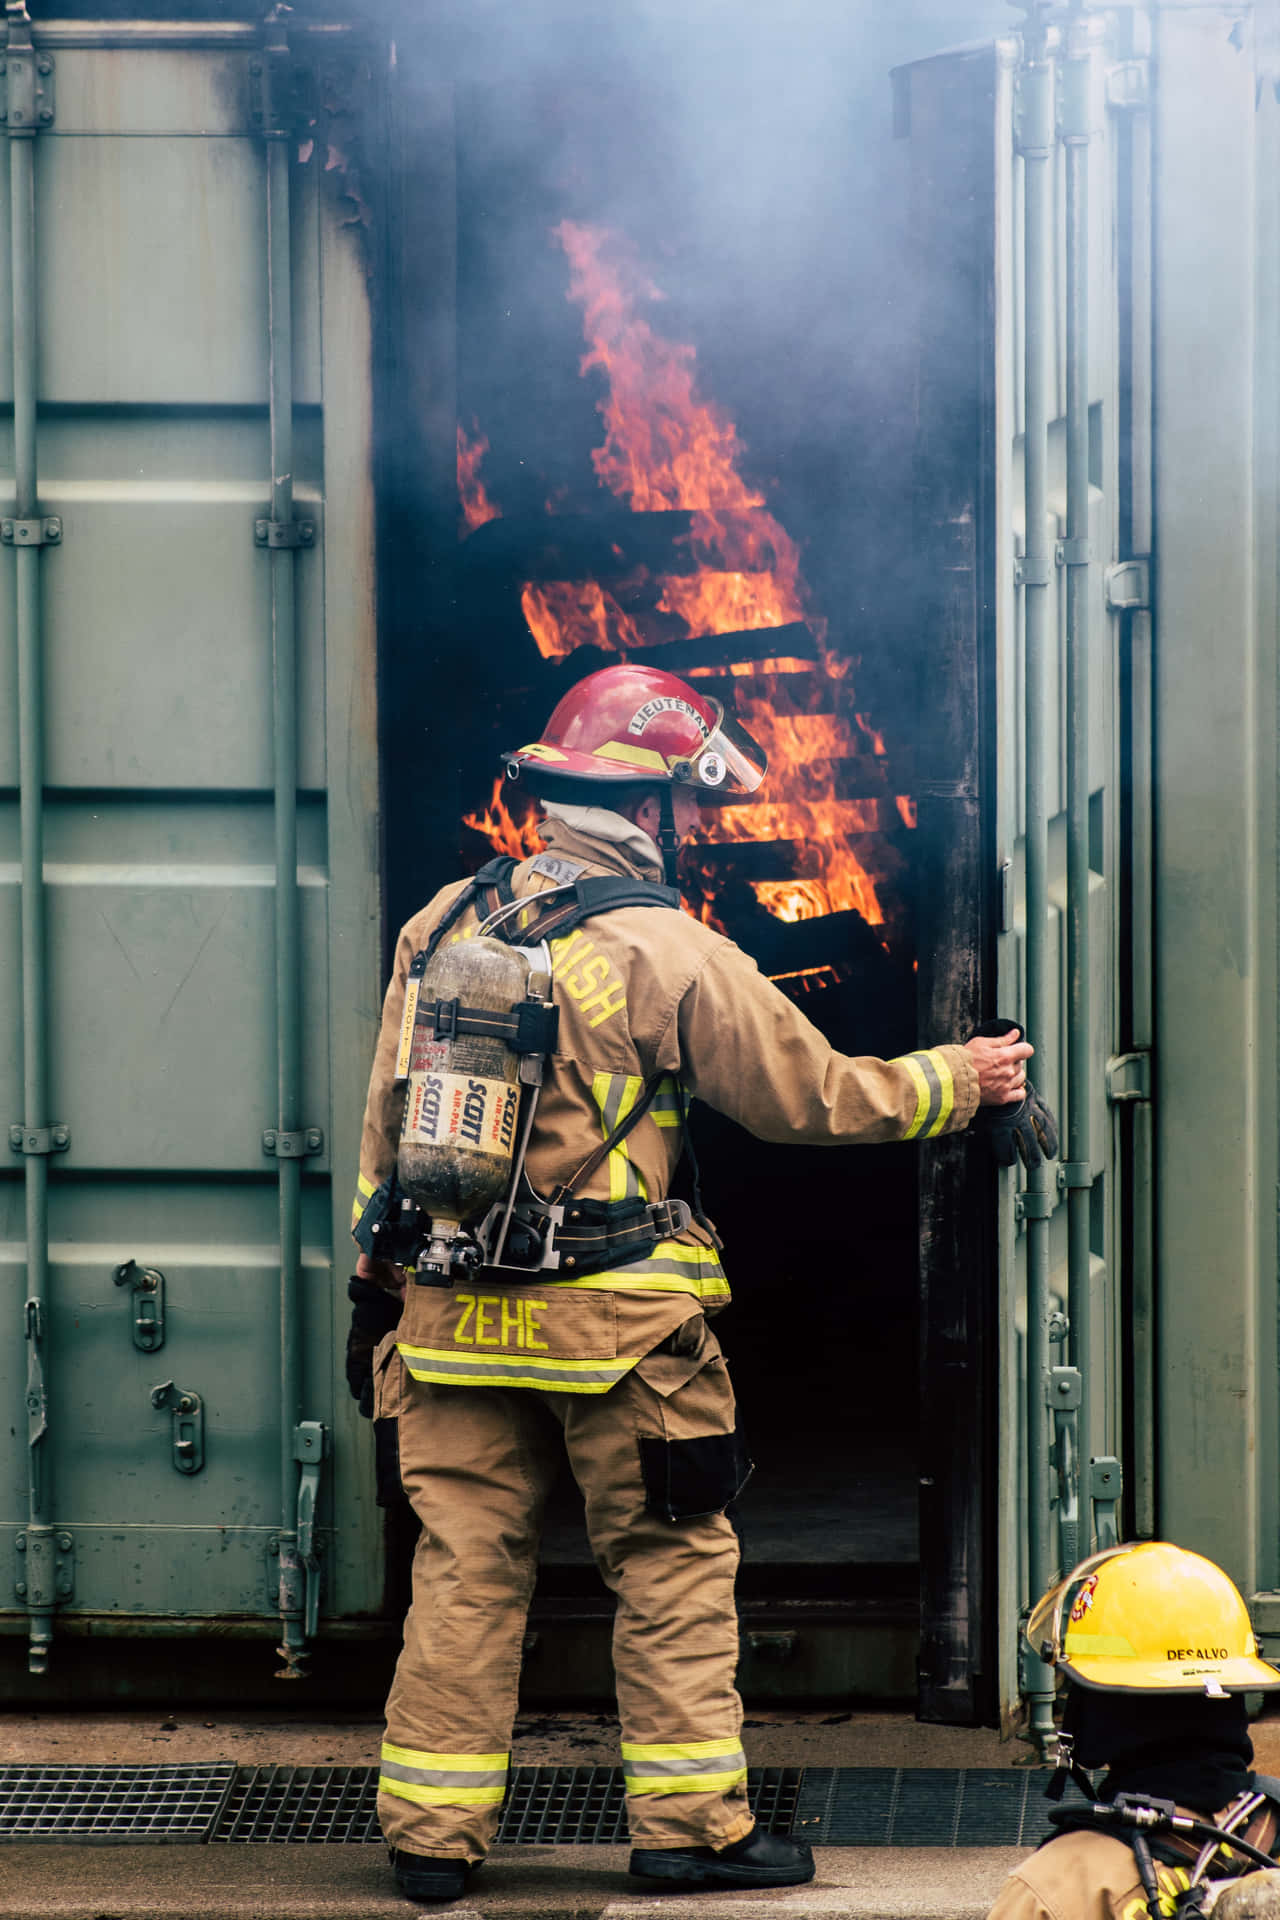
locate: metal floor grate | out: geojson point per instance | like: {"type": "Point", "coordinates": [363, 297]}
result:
{"type": "Point", "coordinates": [301, 1803]}
{"type": "Point", "coordinates": [545, 1806]}
{"type": "Point", "coordinates": [104, 1805]}
{"type": "Point", "coordinates": [923, 1806]}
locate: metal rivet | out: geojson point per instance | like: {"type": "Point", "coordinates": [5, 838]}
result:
{"type": "Point", "coordinates": [21, 1543]}
{"type": "Point", "coordinates": [17, 113]}
{"type": "Point", "coordinates": [60, 1136]}
{"type": "Point", "coordinates": [64, 1543]}
{"type": "Point", "coordinates": [45, 65]}
{"type": "Point", "coordinates": [46, 114]}
{"type": "Point", "coordinates": [20, 1589]}
{"type": "Point", "coordinates": [571, 1263]}
{"type": "Point", "coordinates": [314, 1139]}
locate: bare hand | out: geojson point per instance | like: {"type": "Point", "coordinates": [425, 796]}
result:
{"type": "Point", "coordinates": [383, 1273]}
{"type": "Point", "coordinates": [1002, 1068]}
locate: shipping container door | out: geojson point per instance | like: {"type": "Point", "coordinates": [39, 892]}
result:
{"type": "Point", "coordinates": [147, 1463]}
{"type": "Point", "coordinates": [1059, 631]}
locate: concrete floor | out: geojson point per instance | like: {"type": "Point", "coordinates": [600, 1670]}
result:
{"type": "Point", "coordinates": [518, 1883]}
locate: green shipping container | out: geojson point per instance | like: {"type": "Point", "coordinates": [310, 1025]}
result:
{"type": "Point", "coordinates": [186, 643]}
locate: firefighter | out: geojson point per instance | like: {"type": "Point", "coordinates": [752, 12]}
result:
{"type": "Point", "coordinates": [1158, 1654]}
{"type": "Point", "coordinates": [615, 1363]}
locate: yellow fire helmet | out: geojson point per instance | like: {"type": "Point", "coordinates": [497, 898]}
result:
{"type": "Point", "coordinates": [1150, 1618]}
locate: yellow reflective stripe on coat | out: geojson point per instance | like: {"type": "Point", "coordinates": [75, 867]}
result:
{"type": "Point", "coordinates": [444, 1779]}
{"type": "Point", "coordinates": [671, 1267]}
{"type": "Point", "coordinates": [616, 1094]}
{"type": "Point", "coordinates": [447, 1367]}
{"type": "Point", "coordinates": [935, 1092]}
{"type": "Point", "coordinates": [365, 1190]}
{"type": "Point", "coordinates": [700, 1766]}
{"type": "Point", "coordinates": [667, 1108]}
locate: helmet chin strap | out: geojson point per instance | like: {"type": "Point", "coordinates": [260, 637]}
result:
{"type": "Point", "coordinates": [668, 841]}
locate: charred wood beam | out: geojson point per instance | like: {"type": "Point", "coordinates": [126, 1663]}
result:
{"type": "Point", "coordinates": [790, 946]}
{"type": "Point", "coordinates": [791, 642]}
{"type": "Point", "coordinates": [604, 546]}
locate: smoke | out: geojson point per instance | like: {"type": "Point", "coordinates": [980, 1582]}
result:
{"type": "Point", "coordinates": [745, 152]}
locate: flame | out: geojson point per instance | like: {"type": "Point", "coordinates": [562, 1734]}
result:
{"type": "Point", "coordinates": [564, 614]}
{"type": "Point", "coordinates": [666, 447]}
{"type": "Point", "coordinates": [506, 834]}
{"type": "Point", "coordinates": [473, 497]}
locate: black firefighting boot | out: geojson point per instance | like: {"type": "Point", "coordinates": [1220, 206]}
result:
{"type": "Point", "coordinates": [422, 1876]}
{"type": "Point", "coordinates": [760, 1860]}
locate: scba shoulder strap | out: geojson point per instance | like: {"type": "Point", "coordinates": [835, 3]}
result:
{"type": "Point", "coordinates": [490, 892]}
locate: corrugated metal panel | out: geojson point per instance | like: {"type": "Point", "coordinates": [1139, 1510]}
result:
{"type": "Point", "coordinates": [153, 448]}
{"type": "Point", "coordinates": [1214, 122]}
{"type": "Point", "coordinates": [981, 103]}
{"type": "Point", "coordinates": [1093, 1344]}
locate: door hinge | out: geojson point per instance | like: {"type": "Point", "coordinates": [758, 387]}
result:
{"type": "Point", "coordinates": [1129, 84]}
{"type": "Point", "coordinates": [26, 82]}
{"type": "Point", "coordinates": [1128, 586]}
{"type": "Point", "coordinates": [1128, 1078]}
{"type": "Point", "coordinates": [47, 1567]}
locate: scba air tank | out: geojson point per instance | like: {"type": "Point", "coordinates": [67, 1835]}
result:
{"type": "Point", "coordinates": [462, 1100]}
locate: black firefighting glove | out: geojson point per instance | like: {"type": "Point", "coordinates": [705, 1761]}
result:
{"type": "Point", "coordinates": [374, 1313]}
{"type": "Point", "coordinates": [1026, 1129]}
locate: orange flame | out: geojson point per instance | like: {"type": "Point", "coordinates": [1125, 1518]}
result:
{"type": "Point", "coordinates": [519, 838]}
{"type": "Point", "coordinates": [473, 497]}
{"type": "Point", "coordinates": [665, 448]}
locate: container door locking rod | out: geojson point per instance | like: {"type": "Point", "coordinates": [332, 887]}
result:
{"type": "Point", "coordinates": [28, 106]}
{"type": "Point", "coordinates": [297, 1585]}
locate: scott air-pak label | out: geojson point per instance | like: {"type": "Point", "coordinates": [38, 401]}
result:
{"type": "Point", "coordinates": [458, 1110]}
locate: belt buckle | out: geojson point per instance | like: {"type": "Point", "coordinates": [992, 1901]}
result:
{"type": "Point", "coordinates": [669, 1217]}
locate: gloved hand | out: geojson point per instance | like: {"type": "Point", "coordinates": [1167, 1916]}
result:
{"type": "Point", "coordinates": [374, 1313]}
{"type": "Point", "coordinates": [1025, 1129]}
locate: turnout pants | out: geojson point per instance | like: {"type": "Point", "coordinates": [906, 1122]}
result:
{"type": "Point", "coordinates": [657, 1458]}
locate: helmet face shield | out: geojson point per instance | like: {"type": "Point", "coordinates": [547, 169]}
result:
{"type": "Point", "coordinates": [729, 761]}
{"type": "Point", "coordinates": [1044, 1630]}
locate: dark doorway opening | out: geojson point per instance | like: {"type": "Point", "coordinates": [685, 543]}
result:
{"type": "Point", "coordinates": [521, 550]}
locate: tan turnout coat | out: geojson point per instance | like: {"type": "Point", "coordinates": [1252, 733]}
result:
{"type": "Point", "coordinates": [644, 993]}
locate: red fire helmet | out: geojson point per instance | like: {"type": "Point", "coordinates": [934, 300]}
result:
{"type": "Point", "coordinates": [637, 723]}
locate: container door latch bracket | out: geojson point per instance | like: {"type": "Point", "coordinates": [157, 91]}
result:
{"type": "Point", "coordinates": [187, 1409]}
{"type": "Point", "coordinates": [147, 1284]}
